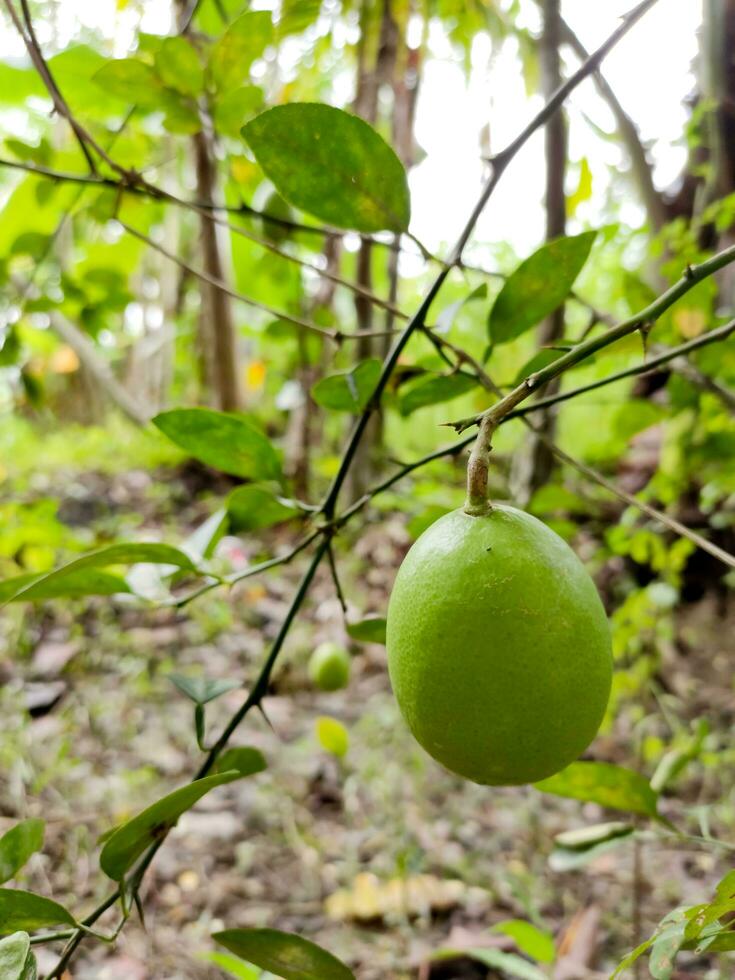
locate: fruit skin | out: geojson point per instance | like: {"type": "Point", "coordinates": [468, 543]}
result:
{"type": "Point", "coordinates": [499, 648]}
{"type": "Point", "coordinates": [329, 667]}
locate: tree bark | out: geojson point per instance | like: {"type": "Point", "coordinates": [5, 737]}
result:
{"type": "Point", "coordinates": [217, 327]}
{"type": "Point", "coordinates": [534, 463]}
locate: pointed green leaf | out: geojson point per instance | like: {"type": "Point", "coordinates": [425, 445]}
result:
{"type": "Point", "coordinates": [233, 966]}
{"type": "Point", "coordinates": [17, 961]}
{"type": "Point", "coordinates": [283, 954]}
{"type": "Point", "coordinates": [245, 39]}
{"type": "Point", "coordinates": [128, 842]}
{"type": "Point", "coordinates": [584, 188]}
{"type": "Point", "coordinates": [225, 441]}
{"type": "Point", "coordinates": [253, 507]}
{"type": "Point", "coordinates": [178, 66]}
{"type": "Point", "coordinates": [202, 690]}
{"type": "Point", "coordinates": [83, 582]}
{"type": "Point", "coordinates": [434, 390]}
{"type": "Point", "coordinates": [131, 80]}
{"type": "Point", "coordinates": [348, 391]}
{"type": "Point", "coordinates": [25, 911]}
{"type": "Point", "coordinates": [17, 845]}
{"type": "Point", "coordinates": [534, 942]}
{"type": "Point", "coordinates": [233, 109]}
{"type": "Point", "coordinates": [665, 947]}
{"type": "Point", "coordinates": [368, 630]}
{"type": "Point", "coordinates": [541, 359]}
{"type": "Point", "coordinates": [538, 286]}
{"type": "Point", "coordinates": [508, 963]}
{"type": "Point", "coordinates": [605, 784]}
{"type": "Point", "coordinates": [80, 577]}
{"type": "Point", "coordinates": [446, 318]}
{"type": "Point", "coordinates": [347, 174]}
{"type": "Point", "coordinates": [245, 760]}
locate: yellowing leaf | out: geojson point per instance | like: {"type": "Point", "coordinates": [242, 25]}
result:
{"type": "Point", "coordinates": [64, 361]}
{"type": "Point", "coordinates": [255, 375]}
{"type": "Point", "coordinates": [584, 188]}
{"type": "Point", "coordinates": [689, 323]}
{"type": "Point", "coordinates": [369, 898]}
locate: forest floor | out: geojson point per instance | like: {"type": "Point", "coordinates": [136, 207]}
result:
{"type": "Point", "coordinates": [381, 856]}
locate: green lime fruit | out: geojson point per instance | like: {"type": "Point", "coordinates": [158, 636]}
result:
{"type": "Point", "coordinates": [329, 667]}
{"type": "Point", "coordinates": [499, 648]}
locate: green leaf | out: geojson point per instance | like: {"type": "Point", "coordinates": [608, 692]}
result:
{"type": "Point", "coordinates": [538, 286]}
{"type": "Point", "coordinates": [283, 954]}
{"type": "Point", "coordinates": [446, 318]}
{"type": "Point", "coordinates": [508, 963]}
{"type": "Point", "coordinates": [233, 966]}
{"type": "Point", "coordinates": [17, 845]}
{"type": "Point", "coordinates": [131, 80]}
{"type": "Point", "coordinates": [630, 959]}
{"type": "Point", "coordinates": [127, 843]}
{"type": "Point", "coordinates": [576, 848]}
{"type": "Point", "coordinates": [347, 174]}
{"type": "Point", "coordinates": [297, 15]}
{"type": "Point", "coordinates": [534, 942]}
{"type": "Point", "coordinates": [202, 690]}
{"type": "Point", "coordinates": [333, 736]}
{"type": "Point", "coordinates": [245, 39]}
{"type": "Point", "coordinates": [584, 837]}
{"type": "Point", "coordinates": [348, 391]}
{"type": "Point", "coordinates": [368, 630]}
{"type": "Point", "coordinates": [25, 911]}
{"type": "Point", "coordinates": [17, 961]}
{"type": "Point", "coordinates": [244, 760]}
{"type": "Point", "coordinates": [231, 443]}
{"type": "Point", "coordinates": [178, 66]}
{"type": "Point", "coordinates": [665, 947]}
{"type": "Point", "coordinates": [253, 507]}
{"type": "Point", "coordinates": [433, 390]}
{"type": "Point", "coordinates": [605, 784]}
{"type": "Point", "coordinates": [81, 583]}
{"type": "Point", "coordinates": [76, 578]}
{"type": "Point", "coordinates": [541, 359]}
{"type": "Point", "coordinates": [180, 114]}
{"type": "Point", "coordinates": [234, 108]}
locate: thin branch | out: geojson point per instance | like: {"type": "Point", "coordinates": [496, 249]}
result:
{"type": "Point", "coordinates": [588, 471]}
{"type": "Point", "coordinates": [666, 356]}
{"type": "Point", "coordinates": [334, 335]}
{"type": "Point", "coordinates": [335, 577]}
{"type": "Point", "coordinates": [136, 184]}
{"type": "Point", "coordinates": [692, 276]}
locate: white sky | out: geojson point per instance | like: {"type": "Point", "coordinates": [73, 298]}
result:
{"type": "Point", "coordinates": [650, 72]}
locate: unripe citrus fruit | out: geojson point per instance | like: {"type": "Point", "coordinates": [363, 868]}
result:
{"type": "Point", "coordinates": [498, 647]}
{"type": "Point", "coordinates": [329, 667]}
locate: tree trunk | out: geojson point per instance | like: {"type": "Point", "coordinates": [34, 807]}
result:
{"type": "Point", "coordinates": [218, 337]}
{"type": "Point", "coordinates": [534, 462]}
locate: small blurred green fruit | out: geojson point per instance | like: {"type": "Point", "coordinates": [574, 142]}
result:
{"type": "Point", "coordinates": [329, 667]}
{"type": "Point", "coordinates": [498, 647]}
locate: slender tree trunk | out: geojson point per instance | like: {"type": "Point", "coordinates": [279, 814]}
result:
{"type": "Point", "coordinates": [535, 462]}
{"type": "Point", "coordinates": [374, 67]}
{"type": "Point", "coordinates": [217, 335]}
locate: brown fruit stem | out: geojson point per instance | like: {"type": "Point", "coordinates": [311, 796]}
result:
{"type": "Point", "coordinates": [477, 503]}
